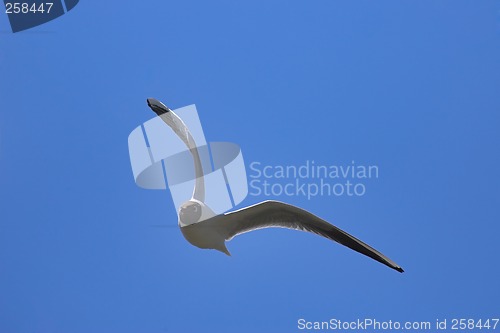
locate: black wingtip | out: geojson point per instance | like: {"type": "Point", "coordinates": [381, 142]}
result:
{"type": "Point", "coordinates": [158, 107]}
{"type": "Point", "coordinates": [399, 269]}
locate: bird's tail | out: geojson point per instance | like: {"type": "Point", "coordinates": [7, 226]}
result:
{"type": "Point", "coordinates": [222, 248]}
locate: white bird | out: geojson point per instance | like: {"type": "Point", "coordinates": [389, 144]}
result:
{"type": "Point", "coordinates": [204, 229]}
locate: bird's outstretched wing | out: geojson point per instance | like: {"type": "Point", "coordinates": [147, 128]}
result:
{"type": "Point", "coordinates": [182, 131]}
{"type": "Point", "coordinates": [269, 214]}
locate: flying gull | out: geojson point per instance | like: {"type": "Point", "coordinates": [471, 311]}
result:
{"type": "Point", "coordinates": [204, 229]}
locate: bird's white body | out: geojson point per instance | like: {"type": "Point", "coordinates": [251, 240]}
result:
{"type": "Point", "coordinates": [204, 236]}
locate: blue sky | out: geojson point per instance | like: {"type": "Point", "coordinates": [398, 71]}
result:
{"type": "Point", "coordinates": [411, 86]}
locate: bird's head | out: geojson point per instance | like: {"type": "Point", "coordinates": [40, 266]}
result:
{"type": "Point", "coordinates": [194, 211]}
{"type": "Point", "coordinates": [158, 107]}
{"type": "Point", "coordinates": [190, 212]}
